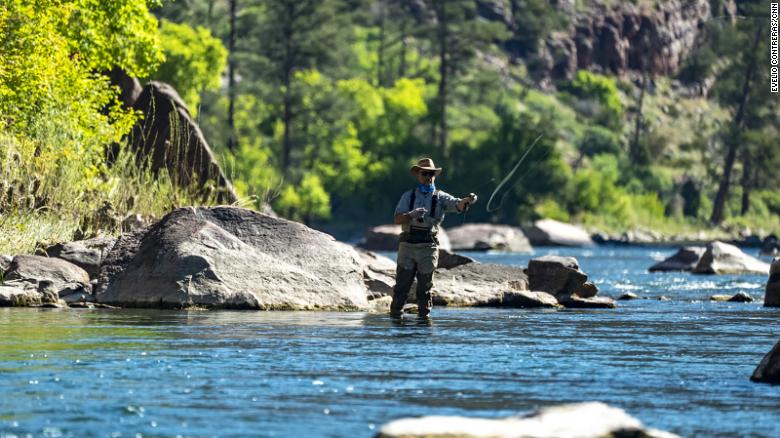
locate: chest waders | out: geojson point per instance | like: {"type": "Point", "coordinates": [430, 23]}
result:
{"type": "Point", "coordinates": [406, 272]}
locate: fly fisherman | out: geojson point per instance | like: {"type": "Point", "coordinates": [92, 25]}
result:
{"type": "Point", "coordinates": [420, 212]}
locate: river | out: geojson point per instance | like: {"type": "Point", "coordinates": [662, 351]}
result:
{"type": "Point", "coordinates": [681, 365]}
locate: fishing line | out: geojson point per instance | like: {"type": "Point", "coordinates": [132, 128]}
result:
{"type": "Point", "coordinates": [508, 177]}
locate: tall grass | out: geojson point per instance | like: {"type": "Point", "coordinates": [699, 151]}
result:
{"type": "Point", "coordinates": [50, 194]}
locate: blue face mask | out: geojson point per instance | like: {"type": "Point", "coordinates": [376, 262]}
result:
{"type": "Point", "coordinates": [426, 188]}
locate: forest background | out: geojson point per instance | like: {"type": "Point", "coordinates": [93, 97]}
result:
{"type": "Point", "coordinates": [319, 107]}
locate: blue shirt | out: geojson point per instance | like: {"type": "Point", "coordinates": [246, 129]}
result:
{"type": "Point", "coordinates": [445, 203]}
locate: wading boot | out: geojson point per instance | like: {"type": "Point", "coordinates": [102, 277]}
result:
{"type": "Point", "coordinates": [424, 297]}
{"type": "Point", "coordinates": [403, 282]}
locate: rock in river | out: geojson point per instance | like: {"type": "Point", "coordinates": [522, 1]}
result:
{"type": "Point", "coordinates": [685, 259]}
{"type": "Point", "coordinates": [483, 237]}
{"type": "Point", "coordinates": [228, 257]}
{"type": "Point", "coordinates": [768, 371]}
{"type": "Point", "coordinates": [724, 258]}
{"type": "Point", "coordinates": [772, 293]}
{"type": "Point", "coordinates": [57, 275]}
{"type": "Point", "coordinates": [581, 420]}
{"type": "Point", "coordinates": [551, 232]}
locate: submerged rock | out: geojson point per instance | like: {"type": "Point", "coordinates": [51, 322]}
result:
{"type": "Point", "coordinates": [86, 254]}
{"type": "Point", "coordinates": [228, 257]}
{"type": "Point", "coordinates": [772, 292]}
{"type": "Point", "coordinates": [57, 275]}
{"type": "Point", "coordinates": [628, 296]}
{"type": "Point", "coordinates": [581, 420]}
{"type": "Point", "coordinates": [685, 259]}
{"type": "Point", "coordinates": [547, 232]}
{"type": "Point", "coordinates": [483, 237]}
{"type": "Point", "coordinates": [768, 371]}
{"type": "Point", "coordinates": [575, 302]}
{"type": "Point", "coordinates": [739, 297]}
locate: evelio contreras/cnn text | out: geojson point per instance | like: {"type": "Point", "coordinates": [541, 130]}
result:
{"type": "Point", "coordinates": [774, 68]}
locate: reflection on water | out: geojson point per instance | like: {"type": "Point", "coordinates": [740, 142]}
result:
{"type": "Point", "coordinates": [679, 365]}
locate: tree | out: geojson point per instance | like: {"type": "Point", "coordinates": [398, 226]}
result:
{"type": "Point", "coordinates": [457, 35]}
{"type": "Point", "coordinates": [739, 87]}
{"type": "Point", "coordinates": [194, 61]}
{"type": "Point", "coordinates": [292, 37]}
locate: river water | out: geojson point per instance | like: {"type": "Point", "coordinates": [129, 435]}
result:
{"type": "Point", "coordinates": [681, 365]}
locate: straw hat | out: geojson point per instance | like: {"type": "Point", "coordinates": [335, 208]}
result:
{"type": "Point", "coordinates": [425, 164]}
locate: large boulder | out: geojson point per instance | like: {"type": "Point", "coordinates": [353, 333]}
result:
{"type": "Point", "coordinates": [386, 238]}
{"type": "Point", "coordinates": [549, 232]}
{"type": "Point", "coordinates": [86, 254]}
{"type": "Point", "coordinates": [582, 420]}
{"type": "Point", "coordinates": [685, 259]}
{"type": "Point", "coordinates": [482, 237]}
{"type": "Point", "coordinates": [378, 274]}
{"type": "Point", "coordinates": [723, 258]}
{"type": "Point", "coordinates": [772, 293]}
{"type": "Point", "coordinates": [53, 274]}
{"type": "Point", "coordinates": [476, 284]}
{"type": "Point", "coordinates": [170, 139]}
{"type": "Point", "coordinates": [557, 275]}
{"type": "Point", "coordinates": [768, 371]}
{"type": "Point", "coordinates": [228, 257]}
{"type": "Point", "coordinates": [5, 263]}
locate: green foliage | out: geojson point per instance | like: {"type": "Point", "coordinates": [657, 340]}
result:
{"type": "Point", "coordinates": [305, 202]}
{"type": "Point", "coordinates": [194, 61]}
{"type": "Point", "coordinates": [599, 99]}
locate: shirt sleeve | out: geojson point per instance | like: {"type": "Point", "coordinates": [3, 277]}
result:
{"type": "Point", "coordinates": [403, 203]}
{"type": "Point", "coordinates": [449, 202]}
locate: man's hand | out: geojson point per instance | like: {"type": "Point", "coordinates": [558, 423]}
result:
{"type": "Point", "coordinates": [417, 213]}
{"type": "Point", "coordinates": [466, 202]}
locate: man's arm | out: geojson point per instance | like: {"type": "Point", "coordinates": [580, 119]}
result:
{"type": "Point", "coordinates": [466, 202]}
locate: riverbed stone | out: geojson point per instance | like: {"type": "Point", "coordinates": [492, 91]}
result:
{"type": "Point", "coordinates": [484, 236]}
{"type": "Point", "coordinates": [768, 370]}
{"type": "Point", "coordinates": [378, 274]}
{"type": "Point", "coordinates": [724, 258]}
{"type": "Point", "coordinates": [18, 296]}
{"type": "Point", "coordinates": [582, 420]}
{"type": "Point", "coordinates": [5, 263]}
{"type": "Point", "coordinates": [86, 254]}
{"type": "Point", "coordinates": [386, 238]}
{"type": "Point", "coordinates": [739, 297]}
{"type": "Point", "coordinates": [51, 273]}
{"type": "Point", "coordinates": [449, 259]}
{"type": "Point", "coordinates": [549, 232]}
{"type": "Point", "coordinates": [230, 257]}
{"type": "Point", "coordinates": [527, 299]}
{"type": "Point", "coordinates": [556, 275]}
{"type": "Point", "coordinates": [685, 259]}
{"type": "Point", "coordinates": [476, 284]}
{"type": "Point", "coordinates": [575, 302]}
{"type": "Point", "coordinates": [772, 291]}
{"type": "Point", "coordinates": [628, 296]}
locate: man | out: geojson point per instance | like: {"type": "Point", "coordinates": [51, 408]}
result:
{"type": "Point", "coordinates": [420, 212]}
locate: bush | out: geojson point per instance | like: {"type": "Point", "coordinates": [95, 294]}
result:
{"type": "Point", "coordinates": [599, 99]}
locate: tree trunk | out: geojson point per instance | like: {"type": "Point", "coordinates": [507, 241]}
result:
{"type": "Point", "coordinates": [381, 52]}
{"type": "Point", "coordinates": [402, 66]}
{"type": "Point", "coordinates": [723, 188]}
{"type": "Point", "coordinates": [634, 148]}
{"type": "Point", "coordinates": [287, 115]}
{"type": "Point", "coordinates": [232, 142]}
{"type": "Point", "coordinates": [444, 75]}
{"type": "Point", "coordinates": [747, 183]}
